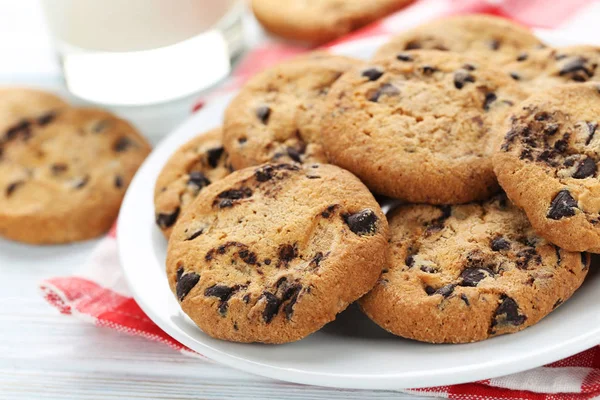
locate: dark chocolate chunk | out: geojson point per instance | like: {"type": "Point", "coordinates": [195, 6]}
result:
{"type": "Point", "coordinates": [592, 126]}
{"type": "Point", "coordinates": [558, 257]}
{"type": "Point", "coordinates": [493, 44]}
{"type": "Point", "coordinates": [195, 234]}
{"type": "Point", "coordinates": [294, 154]}
{"type": "Point", "coordinates": [515, 76]}
{"type": "Point", "coordinates": [464, 298]}
{"type": "Point", "coordinates": [372, 73]}
{"type": "Point", "coordinates": [551, 129]}
{"type": "Point", "coordinates": [507, 313]}
{"type": "Point", "coordinates": [577, 64]}
{"type": "Point", "coordinates": [461, 77]}
{"type": "Point", "coordinates": [363, 222]}
{"type": "Point", "coordinates": [165, 221]}
{"type": "Point", "coordinates": [58, 168]}
{"type": "Point", "coordinates": [525, 256]}
{"type": "Point", "coordinates": [22, 127]}
{"type": "Point", "coordinates": [428, 269]}
{"type": "Point", "coordinates": [473, 275]}
{"type": "Point", "coordinates": [118, 182]}
{"type": "Point", "coordinates": [446, 290]}
{"type": "Point", "coordinates": [489, 99]}
{"type": "Point", "coordinates": [413, 45]}
{"type": "Point", "coordinates": [45, 119]}
{"type": "Point", "coordinates": [249, 257]}
{"type": "Point", "coordinates": [404, 57]}
{"type": "Point", "coordinates": [287, 253]}
{"type": "Point", "coordinates": [586, 169]}
{"type": "Point", "coordinates": [226, 198]}
{"type": "Point", "coordinates": [100, 126]}
{"type": "Point", "coordinates": [267, 261]}
{"type": "Point", "coordinates": [291, 294]}
{"type": "Point", "coordinates": [499, 243]}
{"type": "Point", "coordinates": [271, 308]}
{"type": "Point", "coordinates": [224, 293]}
{"type": "Point", "coordinates": [246, 298]}
{"type": "Point", "coordinates": [265, 173]}
{"type": "Point", "coordinates": [198, 179]}
{"type": "Point", "coordinates": [263, 113]}
{"type": "Point", "coordinates": [328, 211]}
{"type": "Point", "coordinates": [428, 69]}
{"type": "Point", "coordinates": [563, 205]}
{"type": "Point", "coordinates": [429, 290]}
{"type": "Point", "coordinates": [522, 57]}
{"type": "Point", "coordinates": [385, 89]}
{"type": "Point", "coordinates": [316, 260]}
{"type": "Point", "coordinates": [185, 284]}
{"type": "Point", "coordinates": [242, 140]}
{"type": "Point", "coordinates": [122, 144]}
{"type": "Point", "coordinates": [410, 260]}
{"type": "Point", "coordinates": [214, 155]}
{"type": "Point", "coordinates": [469, 67]}
{"type": "Point", "coordinates": [10, 189]}
{"type": "Point", "coordinates": [563, 144]}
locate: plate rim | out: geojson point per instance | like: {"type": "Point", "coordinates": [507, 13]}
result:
{"type": "Point", "coordinates": [433, 377]}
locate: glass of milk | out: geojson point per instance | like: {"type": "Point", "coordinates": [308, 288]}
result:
{"type": "Point", "coordinates": [134, 52]}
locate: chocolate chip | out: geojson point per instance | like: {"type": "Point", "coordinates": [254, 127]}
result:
{"type": "Point", "coordinates": [227, 198]}
{"type": "Point", "coordinates": [249, 257]}
{"type": "Point", "coordinates": [489, 99]}
{"type": "Point", "coordinates": [10, 189]}
{"type": "Point", "coordinates": [525, 256]}
{"type": "Point", "coordinates": [165, 221]}
{"type": "Point", "coordinates": [446, 290]}
{"type": "Point", "coordinates": [81, 182]}
{"type": "Point", "coordinates": [438, 224]}
{"type": "Point", "coordinates": [264, 174]}
{"type": "Point", "coordinates": [45, 119]}
{"type": "Point", "coordinates": [473, 275]}
{"type": "Point", "coordinates": [214, 155]}
{"type": "Point", "coordinates": [386, 89]}
{"type": "Point", "coordinates": [464, 298]}
{"type": "Point", "coordinates": [198, 179]}
{"type": "Point", "coordinates": [363, 222]}
{"type": "Point", "coordinates": [267, 261]}
{"type": "Point", "coordinates": [577, 64]}
{"type": "Point", "coordinates": [223, 293]}
{"type": "Point", "coordinates": [551, 129]}
{"type": "Point", "coordinates": [271, 308]}
{"type": "Point", "coordinates": [185, 284]}
{"type": "Point", "coordinates": [429, 290]}
{"type": "Point", "coordinates": [242, 140]}
{"type": "Point", "coordinates": [558, 257]}
{"type": "Point", "coordinates": [592, 126]}
{"type": "Point", "coordinates": [493, 44]}
{"type": "Point", "coordinates": [409, 260]}
{"type": "Point", "coordinates": [263, 113]}
{"type": "Point", "coordinates": [59, 168]}
{"type": "Point", "coordinates": [118, 182]}
{"type": "Point", "coordinates": [291, 294]}
{"type": "Point", "coordinates": [328, 211]}
{"type": "Point", "coordinates": [372, 73]}
{"type": "Point", "coordinates": [413, 45]}
{"type": "Point", "coordinates": [22, 127]}
{"type": "Point", "coordinates": [563, 144]}
{"type": "Point", "coordinates": [294, 154]}
{"type": "Point", "coordinates": [563, 205]}
{"type": "Point", "coordinates": [507, 313]}
{"type": "Point", "coordinates": [469, 67]}
{"type": "Point", "coordinates": [499, 243]}
{"type": "Point", "coordinates": [587, 168]}
{"type": "Point", "coordinates": [428, 69]}
{"type": "Point", "coordinates": [316, 260]}
{"type": "Point", "coordinates": [122, 144]}
{"type": "Point", "coordinates": [461, 77]}
{"type": "Point", "coordinates": [195, 234]}
{"type": "Point", "coordinates": [515, 76]}
{"type": "Point", "coordinates": [287, 253]}
{"type": "Point", "coordinates": [522, 57]}
{"type": "Point", "coordinates": [404, 57]}
{"type": "Point", "coordinates": [246, 298]}
{"type": "Point", "coordinates": [101, 126]}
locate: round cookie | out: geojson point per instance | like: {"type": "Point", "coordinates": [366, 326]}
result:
{"type": "Point", "coordinates": [484, 37]}
{"type": "Point", "coordinates": [319, 21]}
{"type": "Point", "coordinates": [191, 168]}
{"type": "Point", "coordinates": [541, 69]}
{"type": "Point", "coordinates": [458, 274]}
{"type": "Point", "coordinates": [276, 116]}
{"type": "Point", "coordinates": [420, 128]}
{"type": "Point", "coordinates": [63, 174]}
{"type": "Point", "coordinates": [272, 253]}
{"type": "Point", "coordinates": [548, 164]}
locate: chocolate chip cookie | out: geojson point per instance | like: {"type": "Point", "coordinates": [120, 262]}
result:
{"type": "Point", "coordinates": [276, 116]}
{"type": "Point", "coordinates": [319, 21]}
{"type": "Point", "coordinates": [458, 274]}
{"type": "Point", "coordinates": [484, 37]}
{"type": "Point", "coordinates": [419, 127]}
{"type": "Point", "coordinates": [541, 69]}
{"type": "Point", "coordinates": [548, 164]}
{"type": "Point", "coordinates": [272, 253]}
{"type": "Point", "coordinates": [64, 171]}
{"type": "Point", "coordinates": [190, 169]}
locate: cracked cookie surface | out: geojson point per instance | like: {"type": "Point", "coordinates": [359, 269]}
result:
{"type": "Point", "coordinates": [63, 171]}
{"type": "Point", "coordinates": [190, 169]}
{"type": "Point", "coordinates": [272, 253]}
{"type": "Point", "coordinates": [548, 164]}
{"type": "Point", "coordinates": [483, 37]}
{"type": "Point", "coordinates": [420, 127]}
{"type": "Point", "coordinates": [276, 116]}
{"type": "Point", "coordinates": [458, 274]}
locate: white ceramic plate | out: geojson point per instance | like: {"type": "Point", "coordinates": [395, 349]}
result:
{"type": "Point", "coordinates": [350, 352]}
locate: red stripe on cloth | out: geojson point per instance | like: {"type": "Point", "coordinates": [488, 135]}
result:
{"type": "Point", "coordinates": [106, 307]}
{"type": "Point", "coordinates": [542, 13]}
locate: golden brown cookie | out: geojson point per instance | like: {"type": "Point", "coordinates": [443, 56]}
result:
{"type": "Point", "coordinates": [319, 21]}
{"type": "Point", "coordinates": [420, 128]}
{"type": "Point", "coordinates": [484, 37]}
{"type": "Point", "coordinates": [458, 274]}
{"type": "Point", "coordinates": [63, 173]}
{"type": "Point", "coordinates": [272, 253]}
{"type": "Point", "coordinates": [548, 164]}
{"type": "Point", "coordinates": [191, 168]}
{"type": "Point", "coordinates": [276, 116]}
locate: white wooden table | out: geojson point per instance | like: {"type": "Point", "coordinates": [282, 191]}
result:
{"type": "Point", "coordinates": [46, 355]}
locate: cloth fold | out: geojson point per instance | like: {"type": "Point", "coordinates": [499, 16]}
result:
{"type": "Point", "coordinates": [98, 294]}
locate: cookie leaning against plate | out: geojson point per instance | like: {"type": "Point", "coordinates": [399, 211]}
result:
{"type": "Point", "coordinates": [420, 128]}
{"type": "Point", "coordinates": [191, 168]}
{"type": "Point", "coordinates": [320, 21]}
{"type": "Point", "coordinates": [541, 69]}
{"type": "Point", "coordinates": [548, 164]}
{"type": "Point", "coordinates": [272, 253]}
{"type": "Point", "coordinates": [63, 175]}
{"type": "Point", "coordinates": [276, 115]}
{"type": "Point", "coordinates": [458, 274]}
{"type": "Point", "coordinates": [494, 39]}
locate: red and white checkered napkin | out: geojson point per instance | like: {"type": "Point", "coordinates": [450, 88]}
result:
{"type": "Point", "coordinates": [100, 296]}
